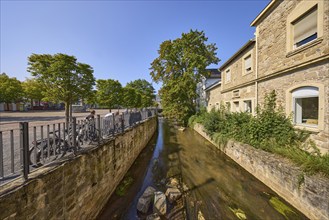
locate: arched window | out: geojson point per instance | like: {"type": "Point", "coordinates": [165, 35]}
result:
{"type": "Point", "coordinates": [306, 106]}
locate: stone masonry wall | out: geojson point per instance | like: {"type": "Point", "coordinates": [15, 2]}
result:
{"type": "Point", "coordinates": [310, 197]}
{"type": "Point", "coordinates": [215, 98]}
{"type": "Point", "coordinates": [238, 76]}
{"type": "Point", "coordinates": [273, 55]}
{"type": "Point", "coordinates": [77, 187]}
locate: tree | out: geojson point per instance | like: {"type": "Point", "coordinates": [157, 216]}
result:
{"type": "Point", "coordinates": [63, 78]}
{"type": "Point", "coordinates": [109, 93]}
{"type": "Point", "coordinates": [10, 89]}
{"type": "Point", "coordinates": [32, 90]}
{"type": "Point", "coordinates": [146, 91]}
{"type": "Point", "coordinates": [179, 66]}
{"type": "Point", "coordinates": [131, 98]}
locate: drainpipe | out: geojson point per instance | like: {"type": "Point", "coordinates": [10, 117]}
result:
{"type": "Point", "coordinates": [256, 67]}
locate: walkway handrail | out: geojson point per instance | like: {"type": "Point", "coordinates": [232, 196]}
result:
{"type": "Point", "coordinates": [41, 145]}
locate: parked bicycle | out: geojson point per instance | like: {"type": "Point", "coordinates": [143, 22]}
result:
{"type": "Point", "coordinates": [55, 146]}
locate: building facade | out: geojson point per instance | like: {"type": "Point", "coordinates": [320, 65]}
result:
{"type": "Point", "coordinates": [290, 54]}
{"type": "Point", "coordinates": [238, 84]}
{"type": "Point", "coordinates": [214, 77]}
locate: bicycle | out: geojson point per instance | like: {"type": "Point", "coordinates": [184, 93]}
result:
{"type": "Point", "coordinates": [55, 146]}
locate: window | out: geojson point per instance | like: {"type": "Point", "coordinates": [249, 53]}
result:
{"type": "Point", "coordinates": [247, 64]}
{"type": "Point", "coordinates": [236, 93]}
{"type": "Point", "coordinates": [306, 106]}
{"type": "Point", "coordinates": [236, 106]}
{"type": "Point", "coordinates": [305, 28]}
{"type": "Point", "coordinates": [228, 106]}
{"type": "Point", "coordinates": [228, 76]}
{"type": "Point", "coordinates": [247, 106]}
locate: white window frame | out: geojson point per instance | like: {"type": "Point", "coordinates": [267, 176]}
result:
{"type": "Point", "coordinates": [300, 93]}
{"type": "Point", "coordinates": [236, 105]}
{"type": "Point", "coordinates": [244, 70]}
{"type": "Point", "coordinates": [299, 11]}
{"type": "Point", "coordinates": [246, 106]}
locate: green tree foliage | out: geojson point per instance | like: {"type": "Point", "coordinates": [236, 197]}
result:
{"type": "Point", "coordinates": [63, 78]}
{"type": "Point", "coordinates": [271, 130]}
{"type": "Point", "coordinates": [32, 90]}
{"type": "Point", "coordinates": [145, 90]}
{"type": "Point", "coordinates": [179, 66]}
{"type": "Point", "coordinates": [91, 99]}
{"type": "Point", "coordinates": [10, 89]}
{"type": "Point", "coordinates": [109, 93]}
{"type": "Point", "coordinates": [131, 98]}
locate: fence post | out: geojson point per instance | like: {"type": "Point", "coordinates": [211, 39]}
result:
{"type": "Point", "coordinates": [113, 122]}
{"type": "Point", "coordinates": [74, 133]}
{"type": "Point", "coordinates": [24, 141]}
{"type": "Point", "coordinates": [99, 127]}
{"type": "Point", "coordinates": [122, 123]}
{"type": "Point", "coordinates": [1, 157]}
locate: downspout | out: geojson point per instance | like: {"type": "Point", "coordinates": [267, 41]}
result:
{"type": "Point", "coordinates": [256, 68]}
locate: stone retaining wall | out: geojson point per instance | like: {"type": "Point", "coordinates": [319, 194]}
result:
{"type": "Point", "coordinates": [310, 196]}
{"type": "Point", "coordinates": [77, 187]}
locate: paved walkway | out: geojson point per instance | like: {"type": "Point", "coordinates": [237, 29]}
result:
{"type": "Point", "coordinates": [10, 120]}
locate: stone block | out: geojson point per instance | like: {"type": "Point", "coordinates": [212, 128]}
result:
{"type": "Point", "coordinates": [173, 194]}
{"type": "Point", "coordinates": [145, 200]}
{"type": "Point", "coordinates": [154, 216]}
{"type": "Point", "coordinates": [160, 203]}
{"type": "Point", "coordinates": [172, 182]}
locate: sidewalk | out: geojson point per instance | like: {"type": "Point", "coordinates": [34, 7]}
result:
{"type": "Point", "coordinates": [10, 120]}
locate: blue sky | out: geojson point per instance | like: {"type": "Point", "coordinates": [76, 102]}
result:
{"type": "Point", "coordinates": [119, 39]}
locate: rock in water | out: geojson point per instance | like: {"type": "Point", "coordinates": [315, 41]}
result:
{"type": "Point", "coordinates": [144, 201]}
{"type": "Point", "coordinates": [160, 205]}
{"type": "Point", "coordinates": [154, 216]}
{"type": "Point", "coordinates": [173, 194]}
{"type": "Point", "coordinates": [173, 182]}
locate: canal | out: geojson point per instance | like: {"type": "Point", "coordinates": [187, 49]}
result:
{"type": "Point", "coordinates": [215, 187]}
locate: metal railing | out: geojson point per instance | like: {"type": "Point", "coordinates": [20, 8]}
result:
{"type": "Point", "coordinates": [27, 148]}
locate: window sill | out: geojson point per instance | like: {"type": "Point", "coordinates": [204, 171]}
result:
{"type": "Point", "coordinates": [304, 47]}
{"type": "Point", "coordinates": [247, 73]}
{"type": "Point", "coordinates": [307, 127]}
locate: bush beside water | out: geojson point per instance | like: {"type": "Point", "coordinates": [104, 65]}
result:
{"type": "Point", "coordinates": [269, 130]}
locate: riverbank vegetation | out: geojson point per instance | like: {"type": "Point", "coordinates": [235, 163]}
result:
{"type": "Point", "coordinates": [269, 130]}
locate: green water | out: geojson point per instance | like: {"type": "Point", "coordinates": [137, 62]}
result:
{"type": "Point", "coordinates": [216, 187]}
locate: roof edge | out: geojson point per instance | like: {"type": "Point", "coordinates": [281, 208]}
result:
{"type": "Point", "coordinates": [213, 85]}
{"type": "Point", "coordinates": [246, 45]}
{"type": "Point", "coordinates": [261, 15]}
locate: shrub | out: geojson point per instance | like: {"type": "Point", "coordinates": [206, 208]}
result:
{"type": "Point", "coordinates": [271, 130]}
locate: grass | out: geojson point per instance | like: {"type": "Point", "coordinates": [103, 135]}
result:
{"type": "Point", "coordinates": [124, 185]}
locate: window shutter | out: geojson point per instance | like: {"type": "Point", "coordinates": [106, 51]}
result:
{"type": "Point", "coordinates": [306, 26]}
{"type": "Point", "coordinates": [308, 91]}
{"type": "Point", "coordinates": [247, 63]}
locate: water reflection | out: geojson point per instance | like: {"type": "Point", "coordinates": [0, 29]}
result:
{"type": "Point", "coordinates": [215, 186]}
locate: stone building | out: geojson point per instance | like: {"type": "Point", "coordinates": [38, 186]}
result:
{"type": "Point", "coordinates": [214, 77]}
{"type": "Point", "coordinates": [214, 96]}
{"type": "Point", "coordinates": [292, 46]}
{"type": "Point", "coordinates": [290, 54]}
{"type": "Point", "coordinates": [238, 84]}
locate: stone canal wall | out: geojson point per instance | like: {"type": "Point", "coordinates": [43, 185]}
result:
{"type": "Point", "coordinates": [77, 187]}
{"type": "Point", "coordinates": [309, 194]}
